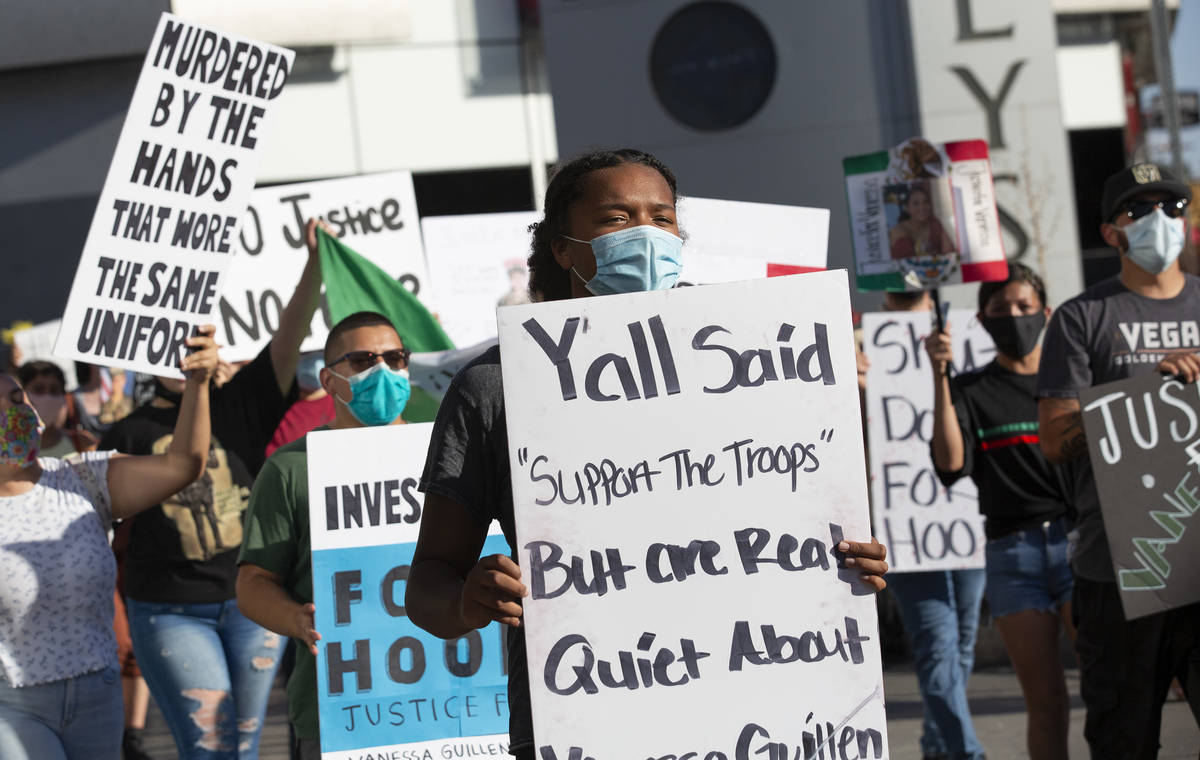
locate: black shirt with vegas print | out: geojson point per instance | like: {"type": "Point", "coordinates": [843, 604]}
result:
{"type": "Point", "coordinates": [1105, 334]}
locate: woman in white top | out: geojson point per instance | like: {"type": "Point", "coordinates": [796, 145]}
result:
{"type": "Point", "coordinates": [60, 691]}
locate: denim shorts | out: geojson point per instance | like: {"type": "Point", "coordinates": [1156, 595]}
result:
{"type": "Point", "coordinates": [1028, 570]}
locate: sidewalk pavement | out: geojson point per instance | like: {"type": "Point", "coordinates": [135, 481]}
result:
{"type": "Point", "coordinates": [996, 704]}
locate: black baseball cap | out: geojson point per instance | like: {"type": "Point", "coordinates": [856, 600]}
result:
{"type": "Point", "coordinates": [1138, 179]}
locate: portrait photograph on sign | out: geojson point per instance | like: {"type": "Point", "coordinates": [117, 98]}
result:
{"type": "Point", "coordinates": [924, 214]}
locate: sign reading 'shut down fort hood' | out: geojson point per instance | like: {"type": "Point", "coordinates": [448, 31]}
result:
{"type": "Point", "coordinates": [684, 464]}
{"type": "Point", "coordinates": [384, 686]}
{"type": "Point", "coordinates": [375, 214]}
{"type": "Point", "coordinates": [924, 525]}
{"type": "Point", "coordinates": [1144, 441]}
{"type": "Point", "coordinates": [180, 178]}
{"type": "Point", "coordinates": [924, 215]}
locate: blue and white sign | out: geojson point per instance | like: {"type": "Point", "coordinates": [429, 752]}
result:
{"type": "Point", "coordinates": [384, 685]}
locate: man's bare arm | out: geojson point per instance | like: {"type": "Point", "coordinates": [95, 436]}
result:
{"type": "Point", "coordinates": [1060, 429]}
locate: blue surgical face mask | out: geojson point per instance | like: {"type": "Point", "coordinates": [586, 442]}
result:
{"type": "Point", "coordinates": [633, 260]}
{"type": "Point", "coordinates": [377, 394]}
{"type": "Point", "coordinates": [308, 371]}
{"type": "Point", "coordinates": [1155, 241]}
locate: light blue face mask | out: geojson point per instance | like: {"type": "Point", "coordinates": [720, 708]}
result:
{"type": "Point", "coordinates": [308, 371]}
{"type": "Point", "coordinates": [1155, 241]}
{"type": "Point", "coordinates": [633, 260]}
{"type": "Point", "coordinates": [377, 394]}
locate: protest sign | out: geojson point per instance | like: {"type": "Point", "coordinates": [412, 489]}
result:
{"type": "Point", "coordinates": [925, 525]}
{"type": "Point", "coordinates": [1144, 441]}
{"type": "Point", "coordinates": [37, 344]}
{"type": "Point", "coordinates": [179, 180]}
{"type": "Point", "coordinates": [383, 684]}
{"type": "Point", "coordinates": [478, 263]}
{"type": "Point", "coordinates": [375, 214]}
{"type": "Point", "coordinates": [924, 215]}
{"type": "Point", "coordinates": [684, 464]}
{"type": "Point", "coordinates": [729, 241]}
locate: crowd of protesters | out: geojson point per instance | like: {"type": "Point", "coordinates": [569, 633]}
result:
{"type": "Point", "coordinates": [213, 576]}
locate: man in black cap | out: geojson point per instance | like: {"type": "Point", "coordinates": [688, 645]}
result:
{"type": "Point", "coordinates": [1141, 321]}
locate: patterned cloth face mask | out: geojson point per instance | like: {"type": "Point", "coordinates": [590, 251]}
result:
{"type": "Point", "coordinates": [21, 436]}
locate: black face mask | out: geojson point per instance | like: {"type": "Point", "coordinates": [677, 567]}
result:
{"type": "Point", "coordinates": [1015, 337]}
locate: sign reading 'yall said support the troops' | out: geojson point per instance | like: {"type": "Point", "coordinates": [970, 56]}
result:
{"type": "Point", "coordinates": [179, 180]}
{"type": "Point", "coordinates": [684, 466]}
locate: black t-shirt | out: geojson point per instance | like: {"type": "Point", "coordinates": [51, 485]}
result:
{"type": "Point", "coordinates": [468, 463]}
{"type": "Point", "coordinates": [1105, 334]}
{"type": "Point", "coordinates": [998, 419]}
{"type": "Point", "coordinates": [185, 549]}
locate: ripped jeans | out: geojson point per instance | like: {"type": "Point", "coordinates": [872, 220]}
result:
{"type": "Point", "coordinates": [210, 670]}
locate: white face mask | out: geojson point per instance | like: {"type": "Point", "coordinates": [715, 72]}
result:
{"type": "Point", "coordinates": [1155, 241]}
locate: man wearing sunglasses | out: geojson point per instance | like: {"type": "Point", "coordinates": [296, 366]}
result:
{"type": "Point", "coordinates": [366, 373]}
{"type": "Point", "coordinates": [1143, 320]}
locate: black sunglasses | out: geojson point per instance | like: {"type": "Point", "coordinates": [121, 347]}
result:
{"type": "Point", "coordinates": [1174, 208]}
{"type": "Point", "coordinates": [396, 358]}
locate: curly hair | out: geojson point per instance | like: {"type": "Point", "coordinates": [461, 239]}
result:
{"type": "Point", "coordinates": [547, 280]}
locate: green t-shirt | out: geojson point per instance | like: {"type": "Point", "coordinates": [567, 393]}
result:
{"type": "Point", "coordinates": [276, 539]}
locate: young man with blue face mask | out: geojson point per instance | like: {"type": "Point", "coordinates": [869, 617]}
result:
{"type": "Point", "coordinates": [366, 373]}
{"type": "Point", "coordinates": [1146, 319]}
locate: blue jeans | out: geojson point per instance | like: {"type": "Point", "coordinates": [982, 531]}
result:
{"type": "Point", "coordinates": [75, 718]}
{"type": "Point", "coordinates": [940, 610]}
{"type": "Point", "coordinates": [1028, 570]}
{"type": "Point", "coordinates": [210, 671]}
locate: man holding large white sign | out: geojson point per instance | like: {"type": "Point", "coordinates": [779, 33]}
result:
{"type": "Point", "coordinates": [180, 178]}
{"type": "Point", "coordinates": [690, 652]}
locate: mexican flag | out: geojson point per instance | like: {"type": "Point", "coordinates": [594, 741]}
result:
{"type": "Point", "coordinates": [352, 283]}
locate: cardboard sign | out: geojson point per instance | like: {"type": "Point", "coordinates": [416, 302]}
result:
{"type": "Point", "coordinates": [383, 684]}
{"type": "Point", "coordinates": [924, 525]}
{"type": "Point", "coordinates": [375, 214]}
{"type": "Point", "coordinates": [924, 215]}
{"type": "Point", "coordinates": [730, 241]}
{"type": "Point", "coordinates": [37, 344]}
{"type": "Point", "coordinates": [684, 463]}
{"type": "Point", "coordinates": [1144, 440]}
{"type": "Point", "coordinates": [180, 178]}
{"type": "Point", "coordinates": [478, 263]}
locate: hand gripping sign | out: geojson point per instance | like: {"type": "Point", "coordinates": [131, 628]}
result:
{"type": "Point", "coordinates": [684, 464]}
{"type": "Point", "coordinates": [924, 215]}
{"type": "Point", "coordinates": [383, 684]}
{"type": "Point", "coordinates": [179, 180]}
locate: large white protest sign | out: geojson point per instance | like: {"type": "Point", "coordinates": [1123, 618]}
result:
{"type": "Point", "coordinates": [729, 241]}
{"type": "Point", "coordinates": [684, 464]}
{"type": "Point", "coordinates": [37, 344]}
{"type": "Point", "coordinates": [478, 263]}
{"type": "Point", "coordinates": [925, 525]}
{"type": "Point", "coordinates": [179, 180]}
{"type": "Point", "coordinates": [375, 214]}
{"type": "Point", "coordinates": [384, 685]}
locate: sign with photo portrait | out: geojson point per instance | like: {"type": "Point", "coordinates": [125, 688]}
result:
{"type": "Point", "coordinates": [924, 215]}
